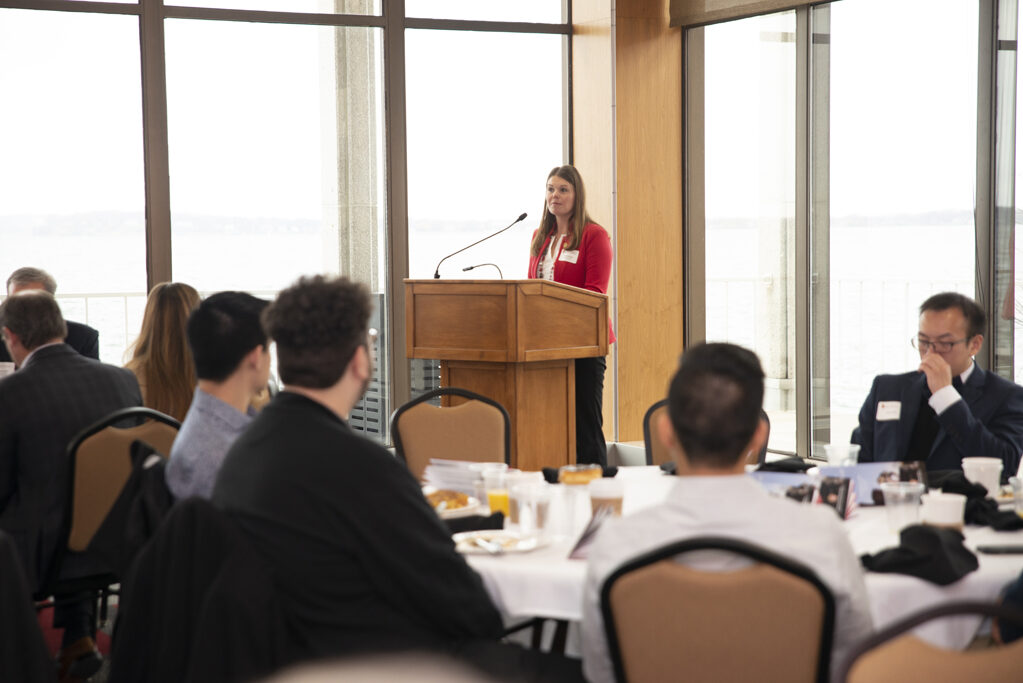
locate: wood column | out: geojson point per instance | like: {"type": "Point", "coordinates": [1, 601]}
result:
{"type": "Point", "coordinates": [627, 86]}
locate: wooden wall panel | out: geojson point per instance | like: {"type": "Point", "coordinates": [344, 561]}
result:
{"type": "Point", "coordinates": [648, 126]}
{"type": "Point", "coordinates": [593, 137]}
{"type": "Point", "coordinates": [627, 88]}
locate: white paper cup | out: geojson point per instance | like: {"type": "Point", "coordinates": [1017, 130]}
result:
{"type": "Point", "coordinates": [942, 509]}
{"type": "Point", "coordinates": [984, 471]}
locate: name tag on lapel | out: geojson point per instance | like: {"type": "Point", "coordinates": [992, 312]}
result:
{"type": "Point", "coordinates": [888, 410]}
{"type": "Point", "coordinates": [569, 256]}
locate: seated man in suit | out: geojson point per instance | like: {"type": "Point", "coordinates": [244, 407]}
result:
{"type": "Point", "coordinates": [232, 362]}
{"type": "Point", "coordinates": [712, 422]}
{"type": "Point", "coordinates": [55, 394]}
{"type": "Point", "coordinates": [363, 563]}
{"type": "Point", "coordinates": [82, 338]}
{"type": "Point", "coordinates": [948, 409]}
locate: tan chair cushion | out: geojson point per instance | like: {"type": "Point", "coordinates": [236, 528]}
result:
{"type": "Point", "coordinates": [102, 467]}
{"type": "Point", "coordinates": [756, 624]}
{"type": "Point", "coordinates": [908, 658]}
{"type": "Point", "coordinates": [472, 431]}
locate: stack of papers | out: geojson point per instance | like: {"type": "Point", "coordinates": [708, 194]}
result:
{"type": "Point", "coordinates": [452, 475]}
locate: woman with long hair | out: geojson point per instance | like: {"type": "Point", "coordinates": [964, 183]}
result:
{"type": "Point", "coordinates": [569, 247]}
{"type": "Point", "coordinates": [160, 357]}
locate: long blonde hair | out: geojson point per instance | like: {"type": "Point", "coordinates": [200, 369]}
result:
{"type": "Point", "coordinates": [549, 223]}
{"type": "Point", "coordinates": [160, 357]}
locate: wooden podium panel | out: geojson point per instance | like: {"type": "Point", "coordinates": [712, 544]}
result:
{"type": "Point", "coordinates": [539, 398]}
{"type": "Point", "coordinates": [514, 341]}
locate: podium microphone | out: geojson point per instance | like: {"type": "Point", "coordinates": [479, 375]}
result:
{"type": "Point", "coordinates": [480, 265]}
{"type": "Point", "coordinates": [436, 271]}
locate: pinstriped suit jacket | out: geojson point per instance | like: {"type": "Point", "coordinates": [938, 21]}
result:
{"type": "Point", "coordinates": [56, 394]}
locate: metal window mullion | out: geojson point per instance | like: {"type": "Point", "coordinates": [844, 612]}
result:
{"type": "Point", "coordinates": [155, 146]}
{"type": "Point", "coordinates": [397, 194]}
{"type": "Point", "coordinates": [804, 417]}
{"type": "Point", "coordinates": [694, 223]}
{"type": "Point", "coordinates": [985, 194]}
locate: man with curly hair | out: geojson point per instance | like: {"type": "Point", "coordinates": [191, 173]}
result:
{"type": "Point", "coordinates": [363, 563]}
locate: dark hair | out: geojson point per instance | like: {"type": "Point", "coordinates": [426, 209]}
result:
{"type": "Point", "coordinates": [222, 330]}
{"type": "Point", "coordinates": [318, 324]}
{"type": "Point", "coordinates": [32, 276]}
{"type": "Point", "coordinates": [971, 310]}
{"type": "Point", "coordinates": [714, 402]}
{"type": "Point", "coordinates": [35, 317]}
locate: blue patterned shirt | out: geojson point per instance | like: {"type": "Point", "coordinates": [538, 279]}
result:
{"type": "Point", "coordinates": [209, 429]}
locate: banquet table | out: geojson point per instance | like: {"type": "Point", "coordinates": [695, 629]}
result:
{"type": "Point", "coordinates": [545, 583]}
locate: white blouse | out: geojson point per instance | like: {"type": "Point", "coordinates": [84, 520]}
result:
{"type": "Point", "coordinates": [549, 256]}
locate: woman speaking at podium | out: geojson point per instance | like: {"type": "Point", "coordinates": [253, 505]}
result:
{"type": "Point", "coordinates": [570, 248]}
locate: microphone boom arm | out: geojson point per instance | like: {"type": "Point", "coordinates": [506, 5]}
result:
{"type": "Point", "coordinates": [436, 271]}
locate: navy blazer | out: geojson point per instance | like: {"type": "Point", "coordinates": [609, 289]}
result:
{"type": "Point", "coordinates": [43, 406]}
{"type": "Point", "coordinates": [988, 421]}
{"type": "Point", "coordinates": [80, 337]}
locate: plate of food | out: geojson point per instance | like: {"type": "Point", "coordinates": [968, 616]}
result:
{"type": "Point", "coordinates": [451, 504]}
{"type": "Point", "coordinates": [496, 542]}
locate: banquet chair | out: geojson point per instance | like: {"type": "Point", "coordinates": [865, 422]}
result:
{"type": "Point", "coordinates": [100, 463]}
{"type": "Point", "coordinates": [476, 430]}
{"type": "Point", "coordinates": [657, 453]}
{"type": "Point", "coordinates": [772, 620]}
{"type": "Point", "coordinates": [894, 654]}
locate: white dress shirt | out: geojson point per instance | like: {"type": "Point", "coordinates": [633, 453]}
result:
{"type": "Point", "coordinates": [733, 506]}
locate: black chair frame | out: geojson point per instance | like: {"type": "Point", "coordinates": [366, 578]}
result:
{"type": "Point", "coordinates": [100, 584]}
{"type": "Point", "coordinates": [738, 547]}
{"type": "Point", "coordinates": [949, 609]}
{"type": "Point", "coordinates": [448, 391]}
{"type": "Point", "coordinates": [647, 435]}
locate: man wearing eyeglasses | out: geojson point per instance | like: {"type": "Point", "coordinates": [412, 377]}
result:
{"type": "Point", "coordinates": [948, 409]}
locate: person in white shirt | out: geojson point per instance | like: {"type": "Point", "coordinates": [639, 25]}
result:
{"type": "Point", "coordinates": [712, 422]}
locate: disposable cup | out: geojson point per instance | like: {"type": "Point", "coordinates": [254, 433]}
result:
{"type": "Point", "coordinates": [902, 503]}
{"type": "Point", "coordinates": [984, 471]}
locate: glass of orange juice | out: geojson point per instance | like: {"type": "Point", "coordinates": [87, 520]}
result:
{"type": "Point", "coordinates": [495, 483]}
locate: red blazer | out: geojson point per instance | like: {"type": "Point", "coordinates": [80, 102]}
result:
{"type": "Point", "coordinates": [592, 268]}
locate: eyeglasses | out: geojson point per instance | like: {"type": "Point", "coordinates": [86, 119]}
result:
{"type": "Point", "coordinates": [938, 346]}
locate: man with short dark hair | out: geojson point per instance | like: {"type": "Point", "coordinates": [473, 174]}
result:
{"type": "Point", "coordinates": [712, 422]}
{"type": "Point", "coordinates": [232, 362]}
{"type": "Point", "coordinates": [949, 408]}
{"type": "Point", "coordinates": [80, 337]}
{"type": "Point", "coordinates": [362, 561]}
{"type": "Point", "coordinates": [54, 395]}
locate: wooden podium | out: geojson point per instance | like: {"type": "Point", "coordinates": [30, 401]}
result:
{"type": "Point", "coordinates": [514, 341]}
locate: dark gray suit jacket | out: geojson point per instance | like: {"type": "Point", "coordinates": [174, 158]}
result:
{"type": "Point", "coordinates": [43, 405]}
{"type": "Point", "coordinates": [82, 338]}
{"type": "Point", "coordinates": [987, 422]}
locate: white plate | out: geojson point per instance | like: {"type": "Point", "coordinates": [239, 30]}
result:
{"type": "Point", "coordinates": [472, 507]}
{"type": "Point", "coordinates": [509, 541]}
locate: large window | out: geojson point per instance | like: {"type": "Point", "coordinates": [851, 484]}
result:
{"type": "Point", "coordinates": [750, 200]}
{"type": "Point", "coordinates": [239, 144]}
{"type": "Point", "coordinates": [838, 177]}
{"type": "Point", "coordinates": [72, 199]}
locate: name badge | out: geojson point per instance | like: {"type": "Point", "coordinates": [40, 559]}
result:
{"type": "Point", "coordinates": [569, 256]}
{"type": "Point", "coordinates": [888, 410]}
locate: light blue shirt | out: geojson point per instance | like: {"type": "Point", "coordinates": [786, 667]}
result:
{"type": "Point", "coordinates": [209, 429]}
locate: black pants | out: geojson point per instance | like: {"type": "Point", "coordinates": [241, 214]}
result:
{"type": "Point", "coordinates": [589, 411]}
{"type": "Point", "coordinates": [77, 616]}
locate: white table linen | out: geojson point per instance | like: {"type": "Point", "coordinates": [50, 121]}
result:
{"type": "Point", "coordinates": [545, 583]}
